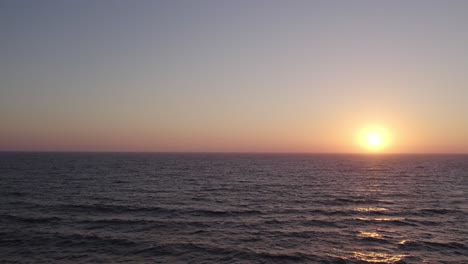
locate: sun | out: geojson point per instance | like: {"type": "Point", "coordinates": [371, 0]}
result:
{"type": "Point", "coordinates": [374, 139]}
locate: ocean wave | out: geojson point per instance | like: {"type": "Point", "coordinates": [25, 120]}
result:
{"type": "Point", "coordinates": [205, 212]}
{"type": "Point", "coordinates": [69, 240]}
{"type": "Point", "coordinates": [122, 209]}
{"type": "Point", "coordinates": [350, 201]}
{"type": "Point", "coordinates": [142, 225]}
{"type": "Point", "coordinates": [227, 254]}
{"type": "Point", "coordinates": [439, 211]}
{"type": "Point", "coordinates": [31, 219]}
{"type": "Point", "coordinates": [431, 245]}
{"type": "Point", "coordinates": [389, 220]}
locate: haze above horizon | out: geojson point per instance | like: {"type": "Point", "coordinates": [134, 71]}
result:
{"type": "Point", "coordinates": [234, 76]}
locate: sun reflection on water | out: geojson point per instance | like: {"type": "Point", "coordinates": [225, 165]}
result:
{"type": "Point", "coordinates": [369, 234]}
{"type": "Point", "coordinates": [375, 257]}
{"type": "Point", "coordinates": [371, 209]}
{"type": "Point", "coordinates": [402, 242]}
{"type": "Point", "coordinates": [380, 219]}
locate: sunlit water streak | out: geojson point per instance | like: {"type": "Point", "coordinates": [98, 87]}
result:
{"type": "Point", "coordinates": [233, 208]}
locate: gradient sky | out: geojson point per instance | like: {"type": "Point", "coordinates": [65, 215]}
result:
{"type": "Point", "coordinates": [247, 76]}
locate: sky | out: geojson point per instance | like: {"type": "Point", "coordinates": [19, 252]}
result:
{"type": "Point", "coordinates": [233, 76]}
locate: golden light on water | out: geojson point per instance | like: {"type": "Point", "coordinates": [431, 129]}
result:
{"type": "Point", "coordinates": [403, 242]}
{"type": "Point", "coordinates": [374, 257]}
{"type": "Point", "coordinates": [370, 209]}
{"type": "Point", "coordinates": [380, 219]}
{"type": "Point", "coordinates": [369, 234]}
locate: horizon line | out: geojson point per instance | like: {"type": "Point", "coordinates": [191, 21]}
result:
{"type": "Point", "coordinates": [232, 152]}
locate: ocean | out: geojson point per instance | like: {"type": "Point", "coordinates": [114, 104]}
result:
{"type": "Point", "coordinates": [233, 208]}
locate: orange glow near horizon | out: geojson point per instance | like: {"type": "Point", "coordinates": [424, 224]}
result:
{"type": "Point", "coordinates": [339, 134]}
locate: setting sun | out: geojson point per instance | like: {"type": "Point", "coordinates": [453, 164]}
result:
{"type": "Point", "coordinates": [374, 139]}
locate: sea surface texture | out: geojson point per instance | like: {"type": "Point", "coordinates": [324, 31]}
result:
{"type": "Point", "coordinates": [233, 208]}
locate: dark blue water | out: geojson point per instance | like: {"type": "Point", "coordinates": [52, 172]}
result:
{"type": "Point", "coordinates": [233, 208]}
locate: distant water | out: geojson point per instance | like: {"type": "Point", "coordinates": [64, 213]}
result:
{"type": "Point", "coordinates": [233, 208]}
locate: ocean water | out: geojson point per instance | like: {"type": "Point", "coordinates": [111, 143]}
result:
{"type": "Point", "coordinates": [233, 208]}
